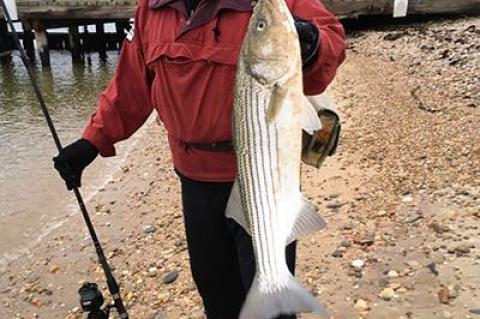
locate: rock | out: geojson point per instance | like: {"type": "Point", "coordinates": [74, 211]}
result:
{"type": "Point", "coordinates": [439, 228]}
{"type": "Point", "coordinates": [447, 314]}
{"type": "Point", "coordinates": [407, 198]}
{"type": "Point", "coordinates": [444, 295]}
{"type": "Point", "coordinates": [392, 36]}
{"type": "Point", "coordinates": [337, 254]}
{"type": "Point", "coordinates": [36, 302]}
{"type": "Point", "coordinates": [152, 271]}
{"type": "Point", "coordinates": [394, 285]}
{"type": "Point", "coordinates": [148, 229]}
{"type": "Point", "coordinates": [129, 296]}
{"type": "Point", "coordinates": [462, 249]}
{"type": "Point", "coordinates": [453, 291]}
{"type": "Point", "coordinates": [433, 268]}
{"type": "Point", "coordinates": [170, 277]}
{"type": "Point", "coordinates": [30, 279]}
{"type": "Point", "coordinates": [361, 305]}
{"type": "Point", "coordinates": [335, 204]}
{"type": "Point", "coordinates": [474, 311]}
{"type": "Point", "coordinates": [392, 274]}
{"type": "Point", "coordinates": [387, 294]}
{"type": "Point", "coordinates": [413, 264]}
{"type": "Point", "coordinates": [159, 314]}
{"type": "Point", "coordinates": [367, 239]}
{"type": "Point", "coordinates": [413, 218]}
{"type": "Point", "coordinates": [346, 243]}
{"type": "Point", "coordinates": [53, 269]}
{"type": "Point", "coordinates": [198, 315]}
{"type": "Point", "coordinates": [357, 264]}
{"type": "Point", "coordinates": [354, 273]}
{"type": "Point", "coordinates": [381, 213]}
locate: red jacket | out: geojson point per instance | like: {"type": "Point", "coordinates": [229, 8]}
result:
{"type": "Point", "coordinates": [185, 69]}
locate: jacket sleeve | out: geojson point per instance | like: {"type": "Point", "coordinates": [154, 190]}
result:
{"type": "Point", "coordinates": [331, 51]}
{"type": "Point", "coordinates": [125, 105]}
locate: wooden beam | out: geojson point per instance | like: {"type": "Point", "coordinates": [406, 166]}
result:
{"type": "Point", "coordinates": [42, 42]}
{"type": "Point", "coordinates": [5, 53]}
{"type": "Point", "coordinates": [28, 44]}
{"type": "Point", "coordinates": [100, 41]}
{"type": "Point", "coordinates": [80, 12]}
{"type": "Point", "coordinates": [75, 45]}
{"type": "Point", "coordinates": [355, 8]}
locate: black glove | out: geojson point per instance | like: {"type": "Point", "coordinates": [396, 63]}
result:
{"type": "Point", "coordinates": [72, 160]}
{"type": "Point", "coordinates": [309, 37]}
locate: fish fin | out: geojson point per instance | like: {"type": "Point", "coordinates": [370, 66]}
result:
{"type": "Point", "coordinates": [234, 208]}
{"type": "Point", "coordinates": [322, 102]}
{"type": "Point", "coordinates": [287, 299]}
{"type": "Point", "coordinates": [308, 221]}
{"type": "Point", "coordinates": [275, 104]}
{"type": "Point", "coordinates": [310, 120]}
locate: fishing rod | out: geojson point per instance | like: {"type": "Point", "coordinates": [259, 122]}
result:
{"type": "Point", "coordinates": [91, 298]}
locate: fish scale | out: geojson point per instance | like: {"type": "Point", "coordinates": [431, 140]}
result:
{"type": "Point", "coordinates": [265, 197]}
{"type": "Point", "coordinates": [257, 166]}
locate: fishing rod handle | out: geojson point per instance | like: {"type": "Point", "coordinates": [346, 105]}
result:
{"type": "Point", "coordinates": [115, 291]}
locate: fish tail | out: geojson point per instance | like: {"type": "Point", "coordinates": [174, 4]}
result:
{"type": "Point", "coordinates": [288, 299]}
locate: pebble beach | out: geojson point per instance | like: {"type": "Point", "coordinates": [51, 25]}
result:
{"type": "Point", "coordinates": [401, 198]}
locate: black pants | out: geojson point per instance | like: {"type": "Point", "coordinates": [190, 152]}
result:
{"type": "Point", "coordinates": [221, 252]}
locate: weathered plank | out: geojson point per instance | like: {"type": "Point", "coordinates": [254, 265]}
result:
{"type": "Point", "coordinates": [124, 9]}
{"type": "Point", "coordinates": [349, 8]}
{"type": "Point", "coordinates": [74, 12]}
{"type": "Point", "coordinates": [385, 7]}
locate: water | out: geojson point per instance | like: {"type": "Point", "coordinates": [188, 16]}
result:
{"type": "Point", "coordinates": [33, 198]}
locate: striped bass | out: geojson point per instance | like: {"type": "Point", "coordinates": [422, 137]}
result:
{"type": "Point", "coordinates": [270, 111]}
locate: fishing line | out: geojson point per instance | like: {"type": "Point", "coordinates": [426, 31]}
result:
{"type": "Point", "coordinates": [111, 281]}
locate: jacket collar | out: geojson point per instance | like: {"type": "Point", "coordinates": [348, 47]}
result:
{"type": "Point", "coordinates": [206, 10]}
{"type": "Point", "coordinates": [238, 5]}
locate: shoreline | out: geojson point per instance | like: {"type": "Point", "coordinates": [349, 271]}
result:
{"type": "Point", "coordinates": [72, 206]}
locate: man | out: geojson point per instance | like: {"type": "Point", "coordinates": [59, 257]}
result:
{"type": "Point", "coordinates": [181, 61]}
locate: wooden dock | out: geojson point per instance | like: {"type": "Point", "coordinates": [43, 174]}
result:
{"type": "Point", "coordinates": [39, 15]}
{"type": "Point", "coordinates": [124, 9]}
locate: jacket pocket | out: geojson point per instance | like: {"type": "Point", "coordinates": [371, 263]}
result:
{"type": "Point", "coordinates": [184, 52]}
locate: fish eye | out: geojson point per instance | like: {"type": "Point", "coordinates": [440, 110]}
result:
{"type": "Point", "coordinates": [261, 25]}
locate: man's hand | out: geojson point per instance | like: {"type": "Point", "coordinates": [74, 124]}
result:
{"type": "Point", "coordinates": [309, 37]}
{"type": "Point", "coordinates": [73, 159]}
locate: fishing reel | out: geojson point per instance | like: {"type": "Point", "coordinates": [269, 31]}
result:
{"type": "Point", "coordinates": [91, 300]}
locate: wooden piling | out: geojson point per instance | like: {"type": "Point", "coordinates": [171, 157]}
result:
{"type": "Point", "coordinates": [87, 44]}
{"type": "Point", "coordinates": [75, 44]}
{"type": "Point", "coordinates": [5, 53]}
{"type": "Point", "coordinates": [42, 43]}
{"type": "Point", "coordinates": [101, 43]}
{"type": "Point", "coordinates": [120, 28]}
{"type": "Point", "coordinates": [28, 44]}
